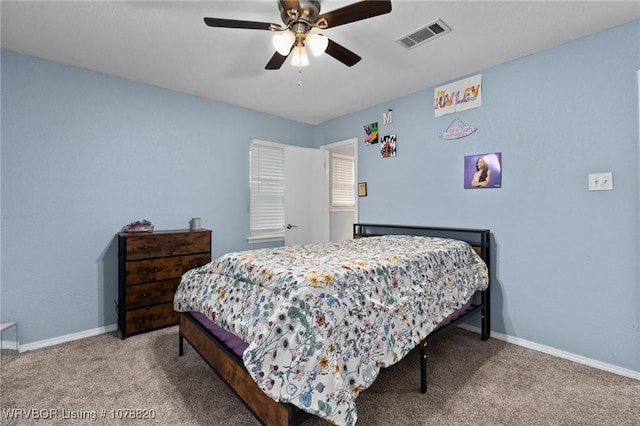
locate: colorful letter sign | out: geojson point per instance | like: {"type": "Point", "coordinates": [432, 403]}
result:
{"type": "Point", "coordinates": [458, 96]}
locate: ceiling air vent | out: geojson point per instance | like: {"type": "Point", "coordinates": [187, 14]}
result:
{"type": "Point", "coordinates": [428, 32]}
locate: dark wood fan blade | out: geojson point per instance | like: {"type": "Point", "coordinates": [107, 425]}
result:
{"type": "Point", "coordinates": [355, 12]}
{"type": "Point", "coordinates": [276, 62]}
{"type": "Point", "coordinates": [342, 54]}
{"type": "Point", "coordinates": [234, 23]}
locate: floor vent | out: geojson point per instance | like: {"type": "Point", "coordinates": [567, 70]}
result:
{"type": "Point", "coordinates": [427, 33]}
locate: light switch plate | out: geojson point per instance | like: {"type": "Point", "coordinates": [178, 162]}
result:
{"type": "Point", "coordinates": [601, 181]}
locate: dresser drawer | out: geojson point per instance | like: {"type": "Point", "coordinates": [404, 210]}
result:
{"type": "Point", "coordinates": [142, 271]}
{"type": "Point", "coordinates": [162, 245]}
{"type": "Point", "coordinates": [150, 318]}
{"type": "Point", "coordinates": [138, 296]}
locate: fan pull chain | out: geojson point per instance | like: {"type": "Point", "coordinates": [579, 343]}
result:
{"type": "Point", "coordinates": [299, 76]}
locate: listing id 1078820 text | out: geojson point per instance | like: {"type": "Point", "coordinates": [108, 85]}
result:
{"type": "Point", "coordinates": [77, 414]}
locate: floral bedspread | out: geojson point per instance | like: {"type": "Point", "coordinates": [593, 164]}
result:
{"type": "Point", "coordinates": [322, 320]}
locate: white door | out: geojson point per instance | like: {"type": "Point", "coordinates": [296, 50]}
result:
{"type": "Point", "coordinates": [305, 195]}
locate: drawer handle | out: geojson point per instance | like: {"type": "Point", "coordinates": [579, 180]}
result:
{"type": "Point", "coordinates": [187, 243]}
{"type": "Point", "coordinates": [153, 317]}
{"type": "Point", "coordinates": [156, 269]}
{"type": "Point", "coordinates": [142, 296]}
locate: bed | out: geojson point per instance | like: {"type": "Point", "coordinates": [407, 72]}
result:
{"type": "Point", "coordinates": [302, 330]}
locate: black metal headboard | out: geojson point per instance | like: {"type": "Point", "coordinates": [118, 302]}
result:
{"type": "Point", "coordinates": [477, 238]}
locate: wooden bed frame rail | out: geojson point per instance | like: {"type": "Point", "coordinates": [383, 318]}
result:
{"type": "Point", "coordinates": [230, 367]}
{"type": "Point", "coordinates": [231, 370]}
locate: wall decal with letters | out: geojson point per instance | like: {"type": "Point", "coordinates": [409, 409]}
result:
{"type": "Point", "coordinates": [458, 96]}
{"type": "Point", "coordinates": [456, 130]}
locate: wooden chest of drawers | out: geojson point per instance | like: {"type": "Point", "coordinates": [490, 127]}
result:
{"type": "Point", "coordinates": [149, 269]}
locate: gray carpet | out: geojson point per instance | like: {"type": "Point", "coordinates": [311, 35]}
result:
{"type": "Point", "coordinates": [470, 383]}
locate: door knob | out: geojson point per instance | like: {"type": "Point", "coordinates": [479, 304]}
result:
{"type": "Point", "coordinates": [290, 226]}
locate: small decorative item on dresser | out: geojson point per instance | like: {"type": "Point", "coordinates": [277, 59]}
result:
{"type": "Point", "coordinates": [139, 226]}
{"type": "Point", "coordinates": [194, 224]}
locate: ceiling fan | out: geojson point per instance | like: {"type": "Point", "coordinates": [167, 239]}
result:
{"type": "Point", "coordinates": [299, 18]}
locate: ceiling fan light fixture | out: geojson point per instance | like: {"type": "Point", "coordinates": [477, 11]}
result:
{"type": "Point", "coordinates": [317, 43]}
{"type": "Point", "coordinates": [299, 18]}
{"type": "Point", "coordinates": [299, 56]}
{"type": "Point", "coordinates": [283, 41]}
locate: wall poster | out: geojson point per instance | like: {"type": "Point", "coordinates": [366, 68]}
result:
{"type": "Point", "coordinates": [483, 171]}
{"type": "Point", "coordinates": [388, 146]}
{"type": "Point", "coordinates": [371, 133]}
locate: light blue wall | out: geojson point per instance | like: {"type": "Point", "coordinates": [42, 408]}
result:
{"type": "Point", "coordinates": [566, 269]}
{"type": "Point", "coordinates": [82, 155]}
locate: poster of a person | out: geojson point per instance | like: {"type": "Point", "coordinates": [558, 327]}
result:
{"type": "Point", "coordinates": [483, 170]}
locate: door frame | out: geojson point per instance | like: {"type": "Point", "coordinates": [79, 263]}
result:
{"type": "Point", "coordinates": [327, 202]}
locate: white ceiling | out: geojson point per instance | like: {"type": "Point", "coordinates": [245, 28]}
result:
{"type": "Point", "coordinates": [167, 44]}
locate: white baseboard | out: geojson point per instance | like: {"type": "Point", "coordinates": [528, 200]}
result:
{"type": "Point", "coordinates": [557, 352]}
{"type": "Point", "coordinates": [67, 338]}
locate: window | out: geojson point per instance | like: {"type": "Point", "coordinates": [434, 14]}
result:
{"type": "Point", "coordinates": [342, 181]}
{"type": "Point", "coordinates": [266, 185]}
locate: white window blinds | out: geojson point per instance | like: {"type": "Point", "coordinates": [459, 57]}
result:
{"type": "Point", "coordinates": [267, 189]}
{"type": "Point", "coordinates": [342, 181]}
